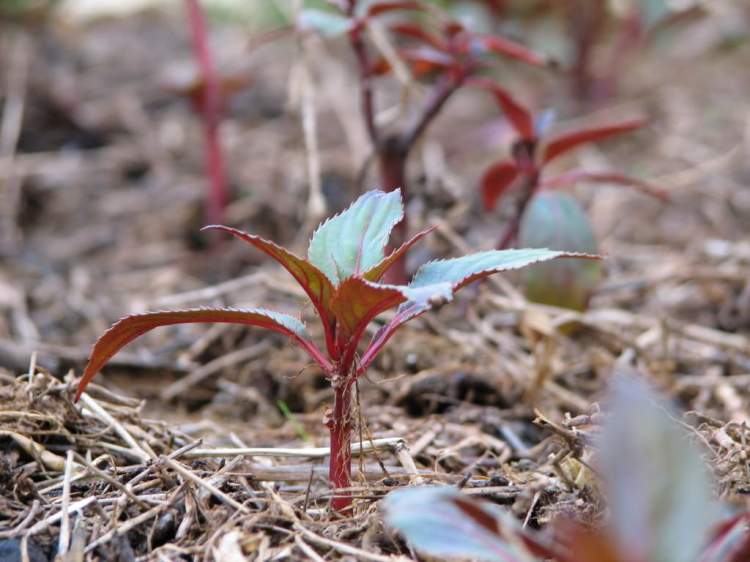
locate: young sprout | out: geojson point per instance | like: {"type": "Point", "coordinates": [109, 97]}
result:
{"type": "Point", "coordinates": [342, 275]}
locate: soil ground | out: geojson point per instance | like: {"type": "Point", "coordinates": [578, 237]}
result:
{"type": "Point", "coordinates": [103, 196]}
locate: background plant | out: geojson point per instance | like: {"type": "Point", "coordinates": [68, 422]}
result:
{"type": "Point", "coordinates": [543, 217]}
{"type": "Point", "coordinates": [442, 48]}
{"type": "Point", "coordinates": [341, 276]}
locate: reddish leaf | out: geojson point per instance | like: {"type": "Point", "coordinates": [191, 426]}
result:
{"type": "Point", "coordinates": [497, 179]}
{"type": "Point", "coordinates": [418, 33]}
{"type": "Point", "coordinates": [584, 545]}
{"type": "Point", "coordinates": [380, 66]}
{"type": "Point", "coordinates": [603, 177]}
{"type": "Point", "coordinates": [427, 55]}
{"type": "Point", "coordinates": [385, 7]}
{"type": "Point", "coordinates": [501, 46]}
{"type": "Point", "coordinates": [505, 528]}
{"type": "Point", "coordinates": [422, 62]}
{"type": "Point", "coordinates": [131, 327]}
{"type": "Point", "coordinates": [376, 272]}
{"type": "Point", "coordinates": [731, 543]}
{"type": "Point", "coordinates": [519, 116]}
{"type": "Point", "coordinates": [568, 141]}
{"type": "Point", "coordinates": [315, 283]}
{"type": "Point", "coordinates": [357, 302]}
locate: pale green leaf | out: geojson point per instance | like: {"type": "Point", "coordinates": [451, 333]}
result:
{"type": "Point", "coordinates": [445, 523]}
{"type": "Point", "coordinates": [658, 487]}
{"type": "Point", "coordinates": [354, 241]}
{"type": "Point", "coordinates": [328, 24]}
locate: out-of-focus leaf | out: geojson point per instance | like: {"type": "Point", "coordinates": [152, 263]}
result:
{"type": "Point", "coordinates": [658, 487]}
{"type": "Point", "coordinates": [570, 178]}
{"type": "Point", "coordinates": [131, 327]}
{"type": "Point", "coordinates": [500, 46]}
{"type": "Point", "coordinates": [553, 220]}
{"type": "Point", "coordinates": [496, 181]}
{"type": "Point", "coordinates": [518, 115]}
{"type": "Point", "coordinates": [355, 240]}
{"type": "Point", "coordinates": [442, 522]}
{"type": "Point", "coordinates": [568, 141]}
{"type": "Point", "coordinates": [653, 11]}
{"type": "Point", "coordinates": [375, 9]}
{"type": "Point", "coordinates": [584, 544]}
{"type": "Point", "coordinates": [328, 24]}
{"type": "Point", "coordinates": [420, 34]}
{"type": "Point", "coordinates": [543, 122]}
{"type": "Point", "coordinates": [732, 543]}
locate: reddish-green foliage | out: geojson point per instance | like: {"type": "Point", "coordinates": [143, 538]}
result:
{"type": "Point", "coordinates": [442, 48]}
{"type": "Point", "coordinates": [657, 487]}
{"type": "Point", "coordinates": [346, 260]}
{"type": "Point", "coordinates": [544, 218]}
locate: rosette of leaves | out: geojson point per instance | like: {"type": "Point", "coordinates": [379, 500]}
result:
{"type": "Point", "coordinates": [342, 275]}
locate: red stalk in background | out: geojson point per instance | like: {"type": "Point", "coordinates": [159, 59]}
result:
{"type": "Point", "coordinates": [210, 106]}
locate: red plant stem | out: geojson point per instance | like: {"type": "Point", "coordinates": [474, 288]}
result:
{"type": "Point", "coordinates": [529, 184]}
{"type": "Point", "coordinates": [340, 426]}
{"type": "Point", "coordinates": [392, 157]}
{"type": "Point", "coordinates": [440, 94]}
{"type": "Point", "coordinates": [210, 106]}
{"type": "Point", "coordinates": [365, 81]}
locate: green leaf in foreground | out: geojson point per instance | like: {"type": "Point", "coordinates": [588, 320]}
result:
{"type": "Point", "coordinates": [658, 487]}
{"type": "Point", "coordinates": [443, 522]}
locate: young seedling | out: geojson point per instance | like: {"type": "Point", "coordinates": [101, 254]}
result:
{"type": "Point", "coordinates": [341, 276]}
{"type": "Point", "coordinates": [450, 54]}
{"type": "Point", "coordinates": [658, 491]}
{"type": "Point", "coordinates": [544, 217]}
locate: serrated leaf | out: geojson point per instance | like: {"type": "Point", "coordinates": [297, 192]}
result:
{"type": "Point", "coordinates": [554, 220]}
{"type": "Point", "coordinates": [442, 522]}
{"type": "Point", "coordinates": [131, 327]}
{"type": "Point", "coordinates": [376, 272]}
{"type": "Point", "coordinates": [570, 178]}
{"type": "Point", "coordinates": [355, 240]}
{"type": "Point", "coordinates": [459, 272]}
{"type": "Point", "coordinates": [568, 141]}
{"type": "Point", "coordinates": [496, 181]}
{"type": "Point", "coordinates": [658, 487]}
{"type": "Point", "coordinates": [437, 281]}
{"type": "Point", "coordinates": [311, 279]}
{"type": "Point", "coordinates": [358, 301]}
{"type": "Point", "coordinates": [327, 24]}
